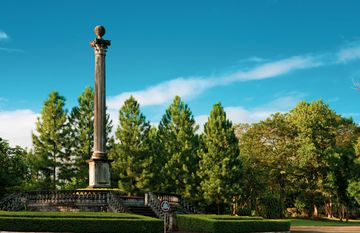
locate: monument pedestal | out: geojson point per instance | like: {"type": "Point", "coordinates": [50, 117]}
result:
{"type": "Point", "coordinates": [99, 173]}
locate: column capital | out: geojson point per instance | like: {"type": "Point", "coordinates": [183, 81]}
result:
{"type": "Point", "coordinates": [100, 45]}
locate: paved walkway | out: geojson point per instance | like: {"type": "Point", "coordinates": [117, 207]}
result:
{"type": "Point", "coordinates": [327, 229]}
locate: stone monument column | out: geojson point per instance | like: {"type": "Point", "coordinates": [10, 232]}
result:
{"type": "Point", "coordinates": [99, 164]}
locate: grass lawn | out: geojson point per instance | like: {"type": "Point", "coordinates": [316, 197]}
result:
{"type": "Point", "coordinates": [323, 222]}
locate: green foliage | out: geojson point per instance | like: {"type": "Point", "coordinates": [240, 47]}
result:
{"type": "Point", "coordinates": [267, 151]}
{"type": "Point", "coordinates": [70, 214]}
{"type": "Point", "coordinates": [79, 222]}
{"type": "Point", "coordinates": [177, 144]}
{"type": "Point", "coordinates": [228, 224]}
{"type": "Point", "coordinates": [315, 140]}
{"type": "Point", "coordinates": [344, 168]}
{"type": "Point", "coordinates": [13, 167]}
{"type": "Point", "coordinates": [354, 187]}
{"type": "Point", "coordinates": [132, 151]}
{"type": "Point", "coordinates": [244, 212]}
{"type": "Point", "coordinates": [80, 140]}
{"type": "Point", "coordinates": [270, 206]}
{"type": "Point", "coordinates": [81, 137]}
{"type": "Point", "coordinates": [354, 191]}
{"type": "Point", "coordinates": [220, 166]}
{"type": "Point", "coordinates": [49, 142]}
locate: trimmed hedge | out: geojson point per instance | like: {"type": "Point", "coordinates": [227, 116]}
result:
{"type": "Point", "coordinates": [229, 224]}
{"type": "Point", "coordinates": [229, 217]}
{"type": "Point", "coordinates": [70, 214]}
{"type": "Point", "coordinates": [79, 222]}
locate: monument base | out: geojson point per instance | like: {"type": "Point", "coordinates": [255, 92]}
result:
{"type": "Point", "coordinates": [99, 173]}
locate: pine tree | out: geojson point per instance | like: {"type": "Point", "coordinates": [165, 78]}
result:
{"type": "Point", "coordinates": [132, 157]}
{"type": "Point", "coordinates": [177, 149]}
{"type": "Point", "coordinates": [13, 168]}
{"type": "Point", "coordinates": [220, 165]}
{"type": "Point", "coordinates": [81, 134]}
{"type": "Point", "coordinates": [80, 139]}
{"type": "Point", "coordinates": [49, 140]}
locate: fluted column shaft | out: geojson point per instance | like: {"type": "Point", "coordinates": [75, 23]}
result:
{"type": "Point", "coordinates": [100, 103]}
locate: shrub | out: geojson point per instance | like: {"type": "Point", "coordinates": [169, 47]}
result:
{"type": "Point", "coordinates": [229, 224]}
{"type": "Point", "coordinates": [270, 207]}
{"type": "Point", "coordinates": [70, 214]}
{"type": "Point", "coordinates": [79, 222]}
{"type": "Point", "coordinates": [244, 212]}
{"type": "Point", "coordinates": [230, 217]}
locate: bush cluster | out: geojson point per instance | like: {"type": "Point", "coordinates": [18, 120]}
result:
{"type": "Point", "coordinates": [229, 224]}
{"type": "Point", "coordinates": [78, 222]}
{"type": "Point", "coordinates": [244, 212]}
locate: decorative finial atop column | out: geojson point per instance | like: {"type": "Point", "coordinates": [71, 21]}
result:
{"type": "Point", "coordinates": [99, 31]}
{"type": "Point", "coordinates": [99, 43]}
{"type": "Point", "coordinates": [99, 164]}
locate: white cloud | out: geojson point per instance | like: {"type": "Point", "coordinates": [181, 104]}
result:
{"type": "Point", "coordinates": [349, 53]}
{"type": "Point", "coordinates": [3, 36]}
{"type": "Point", "coordinates": [187, 88]}
{"type": "Point", "coordinates": [164, 92]}
{"type": "Point", "coordinates": [16, 126]}
{"type": "Point", "coordinates": [240, 114]}
{"type": "Point", "coordinates": [273, 69]}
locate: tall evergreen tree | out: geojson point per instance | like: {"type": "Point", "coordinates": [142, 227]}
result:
{"type": "Point", "coordinates": [13, 168]}
{"type": "Point", "coordinates": [80, 139]}
{"type": "Point", "coordinates": [177, 148]}
{"type": "Point", "coordinates": [49, 140]}
{"type": "Point", "coordinates": [81, 135]}
{"type": "Point", "coordinates": [220, 164]}
{"type": "Point", "coordinates": [132, 157]}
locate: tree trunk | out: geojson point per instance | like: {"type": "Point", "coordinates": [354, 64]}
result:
{"type": "Point", "coordinates": [282, 196]}
{"type": "Point", "coordinates": [234, 206]}
{"type": "Point", "coordinates": [328, 208]}
{"type": "Point", "coordinates": [54, 167]}
{"type": "Point", "coordinates": [218, 205]}
{"type": "Point", "coordinates": [342, 213]}
{"type": "Point", "coordinates": [315, 213]}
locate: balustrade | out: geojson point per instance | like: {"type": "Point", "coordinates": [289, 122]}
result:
{"type": "Point", "coordinates": [154, 202]}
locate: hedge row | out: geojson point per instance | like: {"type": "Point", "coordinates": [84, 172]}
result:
{"type": "Point", "coordinates": [228, 217]}
{"type": "Point", "coordinates": [203, 223]}
{"type": "Point", "coordinates": [70, 214]}
{"type": "Point", "coordinates": [80, 224]}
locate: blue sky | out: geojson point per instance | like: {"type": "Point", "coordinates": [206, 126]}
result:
{"type": "Point", "coordinates": [255, 57]}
